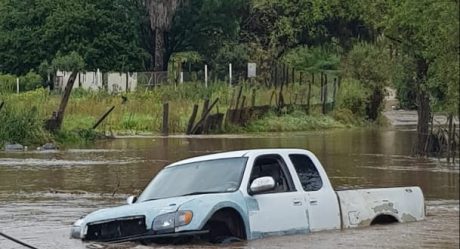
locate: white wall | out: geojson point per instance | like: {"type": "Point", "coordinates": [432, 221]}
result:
{"type": "Point", "coordinates": [94, 81]}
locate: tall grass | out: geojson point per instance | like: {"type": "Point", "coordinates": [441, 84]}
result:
{"type": "Point", "coordinates": [22, 119]}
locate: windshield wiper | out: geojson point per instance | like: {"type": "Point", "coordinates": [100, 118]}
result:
{"type": "Point", "coordinates": [202, 192]}
{"type": "Point", "coordinates": [154, 199]}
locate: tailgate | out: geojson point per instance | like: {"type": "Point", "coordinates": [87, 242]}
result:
{"type": "Point", "coordinates": [360, 207]}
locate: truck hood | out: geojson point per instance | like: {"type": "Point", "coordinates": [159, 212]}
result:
{"type": "Point", "coordinates": [150, 209]}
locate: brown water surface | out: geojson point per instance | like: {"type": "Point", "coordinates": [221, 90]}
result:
{"type": "Point", "coordinates": [42, 193]}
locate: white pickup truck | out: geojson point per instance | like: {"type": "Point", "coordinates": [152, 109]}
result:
{"type": "Point", "coordinates": [246, 194]}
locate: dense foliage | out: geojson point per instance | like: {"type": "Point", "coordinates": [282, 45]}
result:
{"type": "Point", "coordinates": [108, 34]}
{"type": "Point", "coordinates": [410, 45]}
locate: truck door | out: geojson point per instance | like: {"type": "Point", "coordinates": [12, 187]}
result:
{"type": "Point", "coordinates": [278, 211]}
{"type": "Point", "coordinates": [322, 203]}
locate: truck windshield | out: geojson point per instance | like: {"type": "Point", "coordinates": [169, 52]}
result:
{"type": "Point", "coordinates": [212, 176]}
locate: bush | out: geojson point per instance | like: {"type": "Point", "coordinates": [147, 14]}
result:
{"type": "Point", "coordinates": [352, 96]}
{"type": "Point", "coordinates": [30, 81]}
{"type": "Point", "coordinates": [22, 126]}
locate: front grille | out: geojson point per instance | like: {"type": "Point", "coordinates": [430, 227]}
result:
{"type": "Point", "coordinates": [116, 228]}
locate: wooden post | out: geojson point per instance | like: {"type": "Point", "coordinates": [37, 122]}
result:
{"type": "Point", "coordinates": [206, 76]}
{"type": "Point", "coordinates": [238, 98]}
{"type": "Point", "coordinates": [165, 127]}
{"type": "Point", "coordinates": [192, 119]}
{"type": "Point", "coordinates": [253, 99]}
{"type": "Point", "coordinates": [232, 100]}
{"type": "Point", "coordinates": [321, 87]}
{"type": "Point", "coordinates": [205, 107]}
{"type": "Point", "coordinates": [455, 144]}
{"type": "Point", "coordinates": [17, 85]}
{"type": "Point", "coordinates": [325, 95]}
{"type": "Point", "coordinates": [309, 92]}
{"type": "Point", "coordinates": [230, 74]}
{"type": "Point", "coordinates": [334, 95]}
{"type": "Point", "coordinates": [103, 117]}
{"type": "Point", "coordinates": [450, 137]}
{"type": "Point", "coordinates": [65, 99]}
{"type": "Point", "coordinates": [200, 122]}
{"type": "Point", "coordinates": [241, 109]}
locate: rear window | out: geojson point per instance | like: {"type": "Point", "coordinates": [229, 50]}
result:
{"type": "Point", "coordinates": [307, 172]}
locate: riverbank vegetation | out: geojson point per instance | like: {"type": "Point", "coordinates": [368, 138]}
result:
{"type": "Point", "coordinates": [140, 112]}
{"type": "Point", "coordinates": [362, 46]}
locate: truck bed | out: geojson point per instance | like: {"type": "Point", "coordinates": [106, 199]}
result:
{"type": "Point", "coordinates": [364, 207]}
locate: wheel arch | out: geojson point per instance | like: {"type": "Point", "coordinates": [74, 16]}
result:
{"type": "Point", "coordinates": [384, 219]}
{"type": "Point", "coordinates": [233, 208]}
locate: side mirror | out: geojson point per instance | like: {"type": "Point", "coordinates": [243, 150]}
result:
{"type": "Point", "coordinates": [132, 199]}
{"type": "Point", "coordinates": [262, 184]}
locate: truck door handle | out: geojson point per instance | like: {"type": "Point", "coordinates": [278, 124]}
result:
{"type": "Point", "coordinates": [313, 202]}
{"type": "Point", "coordinates": [297, 202]}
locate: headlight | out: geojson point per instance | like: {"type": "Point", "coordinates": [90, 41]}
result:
{"type": "Point", "coordinates": [171, 220]}
{"type": "Point", "coordinates": [76, 230]}
{"type": "Point", "coordinates": [164, 221]}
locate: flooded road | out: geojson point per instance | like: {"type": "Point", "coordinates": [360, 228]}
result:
{"type": "Point", "coordinates": [42, 193]}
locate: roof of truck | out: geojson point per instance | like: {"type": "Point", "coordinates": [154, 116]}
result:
{"type": "Point", "coordinates": [232, 154]}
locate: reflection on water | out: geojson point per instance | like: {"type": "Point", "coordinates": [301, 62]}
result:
{"type": "Point", "coordinates": [110, 170]}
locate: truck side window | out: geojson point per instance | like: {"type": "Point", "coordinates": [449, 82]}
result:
{"type": "Point", "coordinates": [274, 166]}
{"type": "Point", "coordinates": [307, 172]}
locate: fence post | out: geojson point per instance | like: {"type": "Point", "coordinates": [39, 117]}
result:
{"type": "Point", "coordinates": [192, 119]}
{"type": "Point", "coordinates": [165, 130]}
{"type": "Point", "coordinates": [17, 85]}
{"type": "Point", "coordinates": [181, 79]}
{"type": "Point", "coordinates": [206, 76]}
{"type": "Point", "coordinates": [325, 95]}
{"type": "Point", "coordinates": [309, 91]}
{"type": "Point", "coordinates": [334, 96]}
{"type": "Point", "coordinates": [230, 74]}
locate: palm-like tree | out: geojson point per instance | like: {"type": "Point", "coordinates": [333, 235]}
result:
{"type": "Point", "coordinates": [161, 14]}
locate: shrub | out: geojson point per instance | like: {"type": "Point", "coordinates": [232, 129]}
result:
{"type": "Point", "coordinates": [22, 126]}
{"type": "Point", "coordinates": [352, 96]}
{"type": "Point", "coordinates": [30, 81]}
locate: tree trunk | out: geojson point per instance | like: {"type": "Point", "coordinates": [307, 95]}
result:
{"type": "Point", "coordinates": [160, 51]}
{"type": "Point", "coordinates": [375, 102]}
{"type": "Point", "coordinates": [161, 13]}
{"type": "Point", "coordinates": [423, 109]}
{"type": "Point", "coordinates": [55, 123]}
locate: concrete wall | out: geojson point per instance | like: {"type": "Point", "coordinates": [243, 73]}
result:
{"type": "Point", "coordinates": [113, 82]}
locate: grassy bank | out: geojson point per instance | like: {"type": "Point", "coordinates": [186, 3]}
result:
{"type": "Point", "coordinates": [23, 114]}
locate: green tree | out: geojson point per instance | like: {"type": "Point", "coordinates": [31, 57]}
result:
{"type": "Point", "coordinates": [370, 64]}
{"type": "Point", "coordinates": [426, 33]}
{"type": "Point", "coordinates": [206, 26]}
{"type": "Point", "coordinates": [105, 33]}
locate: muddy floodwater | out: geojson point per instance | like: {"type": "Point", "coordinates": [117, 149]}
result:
{"type": "Point", "coordinates": [42, 193]}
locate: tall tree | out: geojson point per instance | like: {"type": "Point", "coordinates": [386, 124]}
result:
{"type": "Point", "coordinates": [161, 15]}
{"type": "Point", "coordinates": [206, 26]}
{"type": "Point", "coordinates": [427, 33]}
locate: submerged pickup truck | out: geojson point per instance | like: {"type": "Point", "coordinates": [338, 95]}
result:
{"type": "Point", "coordinates": [246, 194]}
